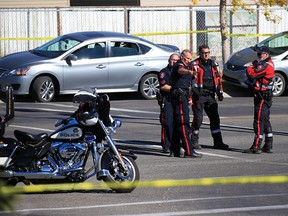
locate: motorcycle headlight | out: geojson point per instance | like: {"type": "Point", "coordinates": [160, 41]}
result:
{"type": "Point", "coordinates": [19, 71]}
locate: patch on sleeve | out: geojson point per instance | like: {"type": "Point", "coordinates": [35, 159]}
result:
{"type": "Point", "coordinates": [162, 75]}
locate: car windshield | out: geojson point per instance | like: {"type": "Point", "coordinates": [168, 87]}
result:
{"type": "Point", "coordinates": [277, 44]}
{"type": "Point", "coordinates": [56, 47]}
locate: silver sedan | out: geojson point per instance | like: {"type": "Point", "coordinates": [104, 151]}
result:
{"type": "Point", "coordinates": [108, 61]}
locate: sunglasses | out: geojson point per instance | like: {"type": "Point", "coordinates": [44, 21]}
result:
{"type": "Point", "coordinates": [205, 53]}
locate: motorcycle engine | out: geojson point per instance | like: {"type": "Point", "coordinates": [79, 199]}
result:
{"type": "Point", "coordinates": [68, 150]}
{"type": "Point", "coordinates": [70, 155]}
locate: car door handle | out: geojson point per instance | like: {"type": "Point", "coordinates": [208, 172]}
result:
{"type": "Point", "coordinates": [101, 66]}
{"type": "Point", "coordinates": [139, 64]}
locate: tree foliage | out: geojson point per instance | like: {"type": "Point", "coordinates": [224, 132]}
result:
{"type": "Point", "coordinates": [236, 4]}
{"type": "Point", "coordinates": [266, 4]}
{"type": "Point", "coordinates": [6, 198]}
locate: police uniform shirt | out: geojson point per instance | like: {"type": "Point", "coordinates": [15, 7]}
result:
{"type": "Point", "coordinates": [182, 81]}
{"type": "Point", "coordinates": [164, 78]}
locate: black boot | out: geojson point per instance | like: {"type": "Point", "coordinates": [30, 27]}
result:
{"type": "Point", "coordinates": [218, 142]}
{"type": "Point", "coordinates": [196, 145]}
{"type": "Point", "coordinates": [254, 149]}
{"type": "Point", "coordinates": [195, 139]}
{"type": "Point", "coordinates": [267, 148]}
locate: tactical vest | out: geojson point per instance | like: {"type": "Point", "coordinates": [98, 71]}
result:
{"type": "Point", "coordinates": [208, 76]}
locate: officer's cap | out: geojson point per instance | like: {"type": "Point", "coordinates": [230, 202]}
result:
{"type": "Point", "coordinates": [262, 49]}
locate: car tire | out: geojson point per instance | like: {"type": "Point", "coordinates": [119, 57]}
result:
{"type": "Point", "coordinates": [148, 86]}
{"type": "Point", "coordinates": [279, 86]}
{"type": "Point", "coordinates": [43, 89]}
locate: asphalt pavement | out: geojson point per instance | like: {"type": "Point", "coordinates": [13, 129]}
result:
{"type": "Point", "coordinates": [220, 183]}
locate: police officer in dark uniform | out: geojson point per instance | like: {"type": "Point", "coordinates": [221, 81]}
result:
{"type": "Point", "coordinates": [164, 100]}
{"type": "Point", "coordinates": [207, 84]}
{"type": "Point", "coordinates": [261, 74]}
{"type": "Point", "coordinates": [181, 79]}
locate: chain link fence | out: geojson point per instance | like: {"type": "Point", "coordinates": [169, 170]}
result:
{"type": "Point", "coordinates": [185, 27]}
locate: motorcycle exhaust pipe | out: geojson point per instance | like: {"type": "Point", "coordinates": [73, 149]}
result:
{"type": "Point", "coordinates": [34, 175]}
{"type": "Point", "coordinates": [31, 175]}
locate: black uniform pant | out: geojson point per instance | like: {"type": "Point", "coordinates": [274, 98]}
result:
{"type": "Point", "coordinates": [181, 125]}
{"type": "Point", "coordinates": [261, 123]}
{"type": "Point", "coordinates": [166, 120]}
{"type": "Point", "coordinates": [210, 106]}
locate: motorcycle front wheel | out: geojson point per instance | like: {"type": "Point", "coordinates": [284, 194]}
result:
{"type": "Point", "coordinates": [119, 180]}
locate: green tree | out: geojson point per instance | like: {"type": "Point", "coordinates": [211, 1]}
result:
{"type": "Point", "coordinates": [6, 198]}
{"type": "Point", "coordinates": [236, 4]}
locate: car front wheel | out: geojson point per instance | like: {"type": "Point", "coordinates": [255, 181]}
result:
{"type": "Point", "coordinates": [279, 85]}
{"type": "Point", "coordinates": [148, 86]}
{"type": "Point", "coordinates": [43, 89]}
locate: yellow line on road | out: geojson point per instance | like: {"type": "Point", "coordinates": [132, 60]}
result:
{"type": "Point", "coordinates": [150, 184]}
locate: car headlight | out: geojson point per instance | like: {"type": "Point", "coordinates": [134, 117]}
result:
{"type": "Point", "coordinates": [248, 64]}
{"type": "Point", "coordinates": [19, 71]}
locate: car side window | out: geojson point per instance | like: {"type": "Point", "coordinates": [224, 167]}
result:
{"type": "Point", "coordinates": [120, 48]}
{"type": "Point", "coordinates": [92, 51]}
{"type": "Point", "coordinates": [144, 49]}
{"type": "Point", "coordinates": [278, 45]}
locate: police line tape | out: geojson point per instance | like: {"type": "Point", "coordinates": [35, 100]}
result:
{"type": "Point", "coordinates": [200, 31]}
{"type": "Point", "coordinates": [173, 33]}
{"type": "Point", "coordinates": [147, 184]}
{"type": "Point", "coordinates": [153, 34]}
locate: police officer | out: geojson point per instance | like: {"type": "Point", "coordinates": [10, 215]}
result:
{"type": "Point", "coordinates": [164, 100]}
{"type": "Point", "coordinates": [207, 84]}
{"type": "Point", "coordinates": [261, 74]}
{"type": "Point", "coordinates": [181, 79]}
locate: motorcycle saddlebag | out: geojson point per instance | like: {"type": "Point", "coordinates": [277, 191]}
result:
{"type": "Point", "coordinates": [7, 146]}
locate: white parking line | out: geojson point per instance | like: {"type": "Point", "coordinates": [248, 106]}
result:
{"type": "Point", "coordinates": [31, 128]}
{"type": "Point", "coordinates": [157, 202]}
{"type": "Point", "coordinates": [221, 156]}
{"type": "Point", "coordinates": [214, 211]}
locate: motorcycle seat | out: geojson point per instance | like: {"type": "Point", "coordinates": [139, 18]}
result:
{"type": "Point", "coordinates": [29, 138]}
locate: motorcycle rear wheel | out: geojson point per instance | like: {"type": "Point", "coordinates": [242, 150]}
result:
{"type": "Point", "coordinates": [117, 177]}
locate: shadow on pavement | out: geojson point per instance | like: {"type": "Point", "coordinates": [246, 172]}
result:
{"type": "Point", "coordinates": [69, 98]}
{"type": "Point", "coordinates": [235, 91]}
{"type": "Point", "coordinates": [142, 147]}
{"type": "Point", "coordinates": [232, 91]}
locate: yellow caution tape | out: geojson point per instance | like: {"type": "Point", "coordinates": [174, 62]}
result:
{"type": "Point", "coordinates": [153, 34]}
{"type": "Point", "coordinates": [147, 184]}
{"type": "Point", "coordinates": [249, 35]}
{"type": "Point", "coordinates": [172, 33]}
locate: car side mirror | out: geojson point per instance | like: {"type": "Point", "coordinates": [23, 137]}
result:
{"type": "Point", "coordinates": [71, 57]}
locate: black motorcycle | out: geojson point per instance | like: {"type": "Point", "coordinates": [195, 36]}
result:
{"type": "Point", "coordinates": [62, 156]}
